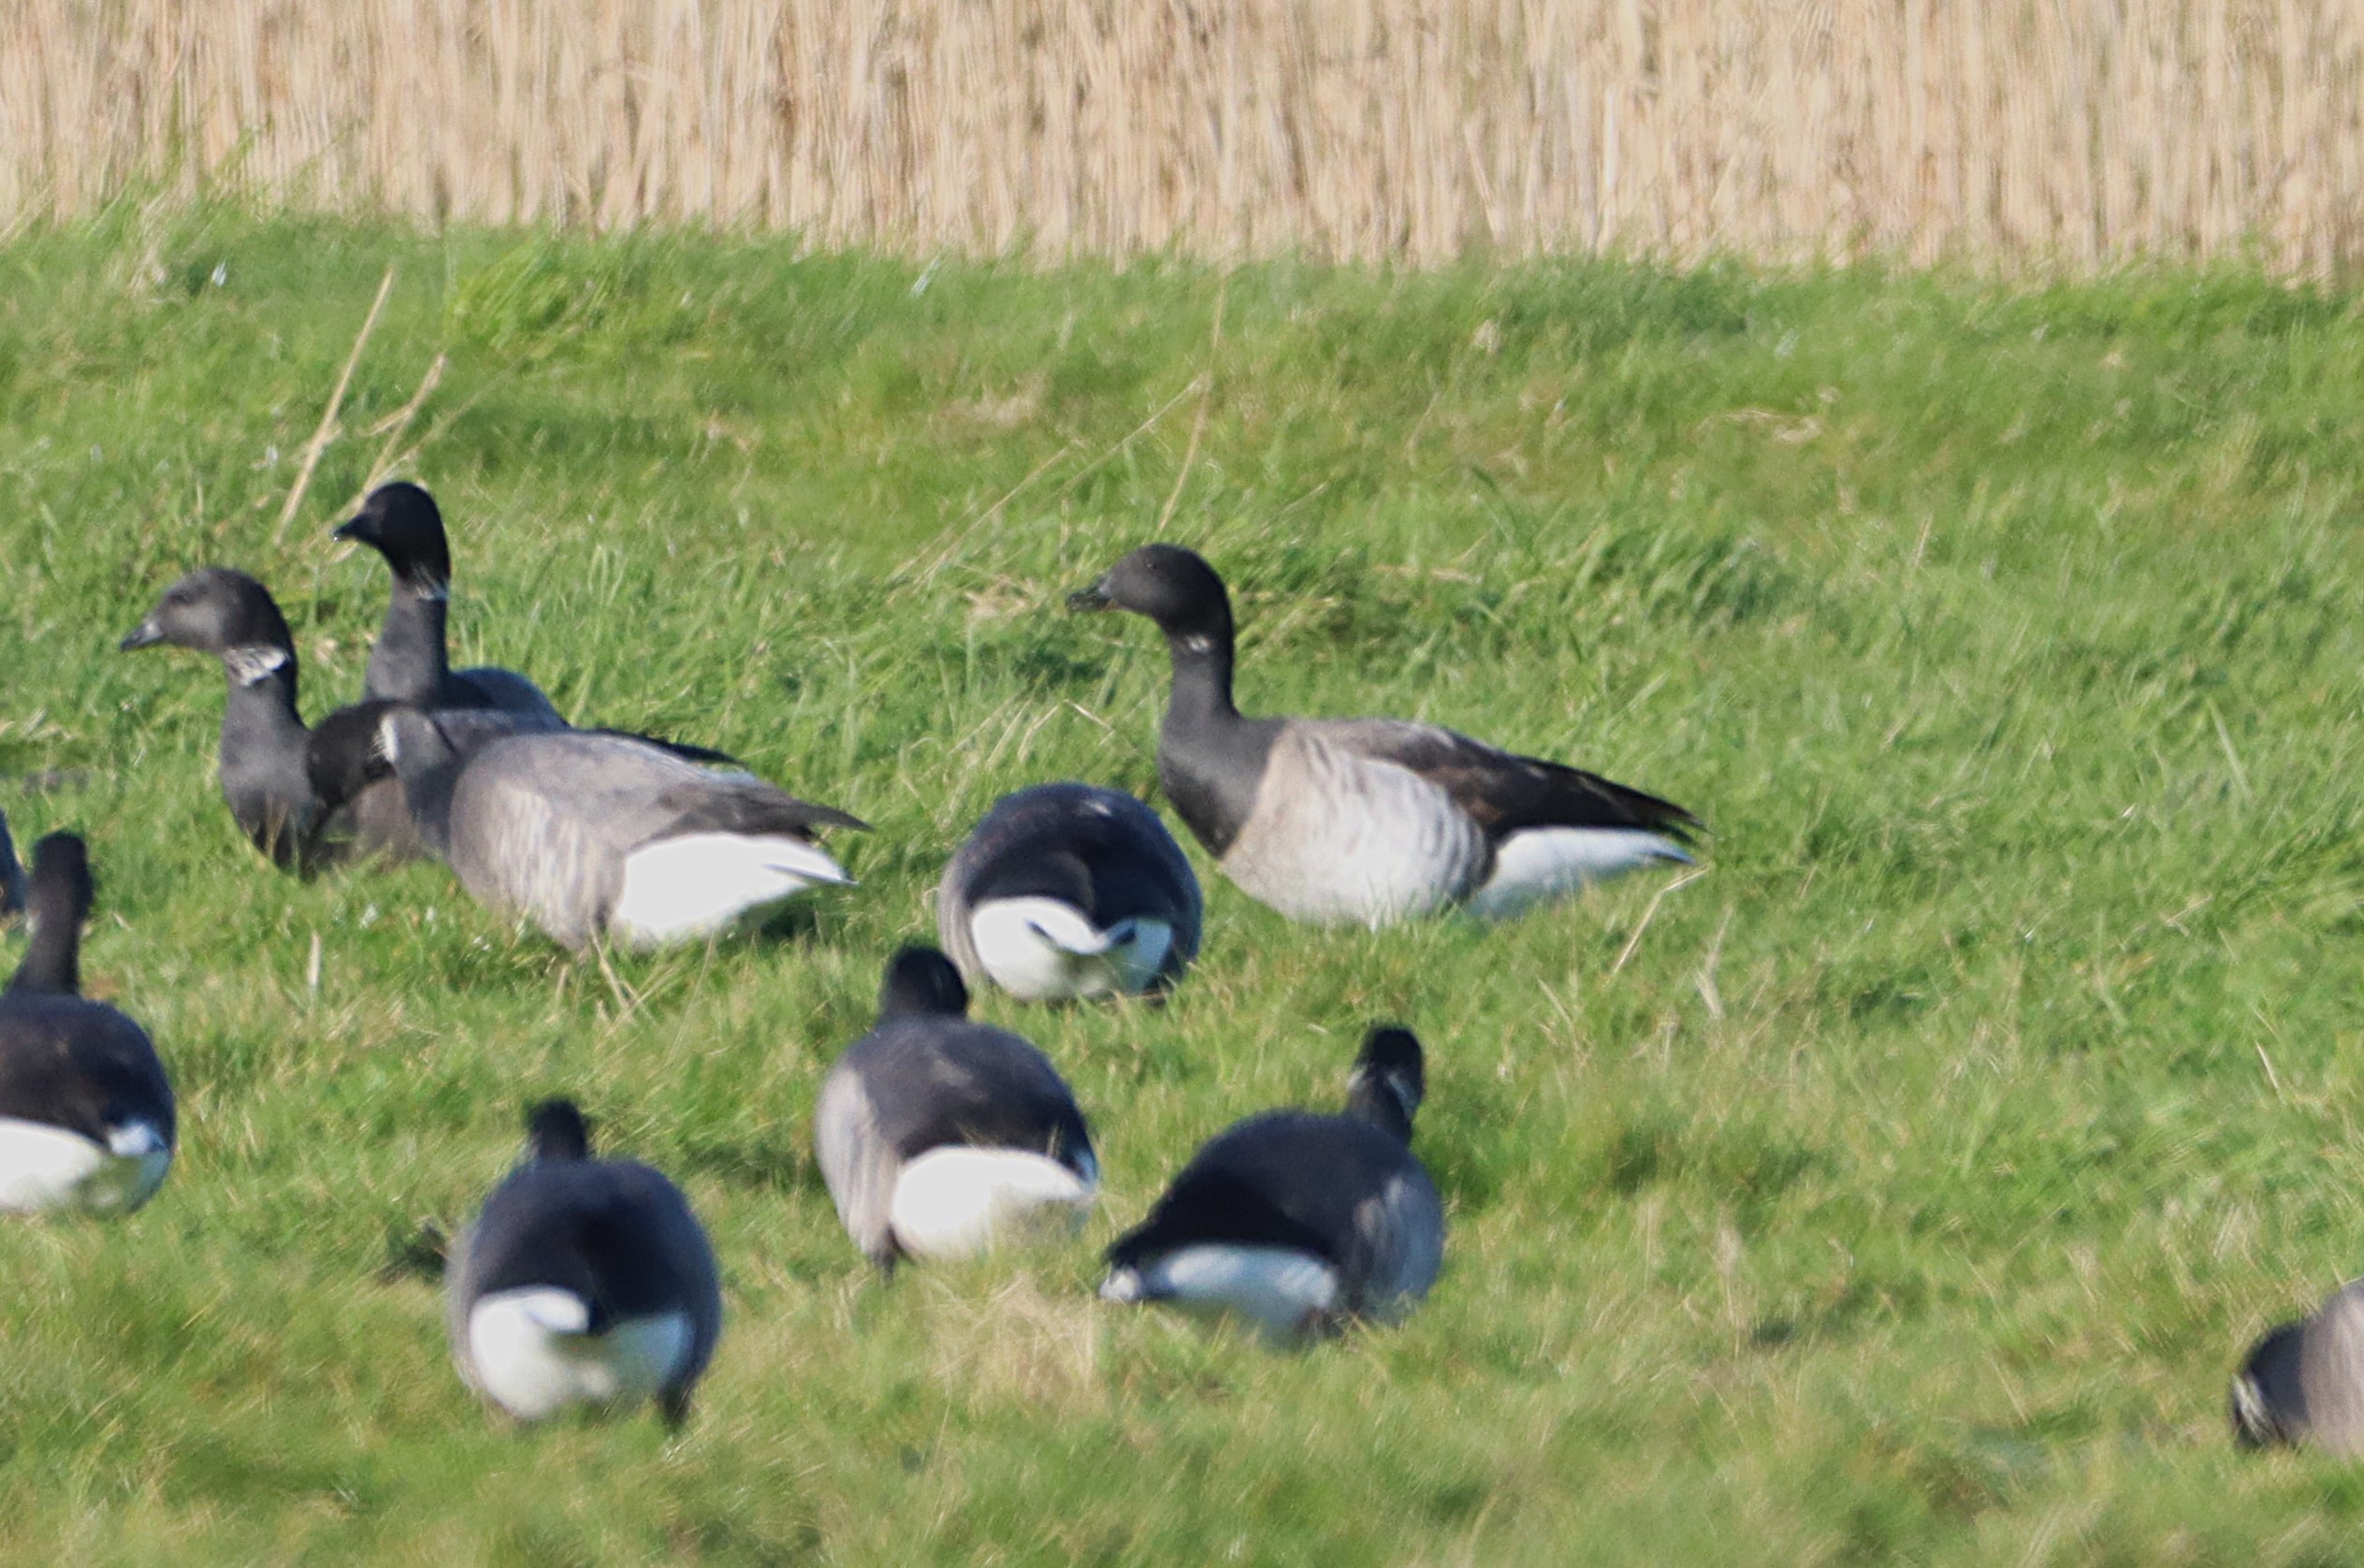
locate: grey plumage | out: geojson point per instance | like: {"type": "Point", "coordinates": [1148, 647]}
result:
{"type": "Point", "coordinates": [1099, 852]}
{"type": "Point", "coordinates": [2303, 1383]}
{"type": "Point", "coordinates": [1370, 821]}
{"type": "Point", "coordinates": [616, 1235]}
{"type": "Point", "coordinates": [925, 1078]}
{"type": "Point", "coordinates": [570, 828]}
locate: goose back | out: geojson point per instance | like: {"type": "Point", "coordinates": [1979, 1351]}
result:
{"type": "Point", "coordinates": [2303, 1383]}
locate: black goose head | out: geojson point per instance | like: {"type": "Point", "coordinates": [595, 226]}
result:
{"type": "Point", "coordinates": [1171, 586]}
{"type": "Point", "coordinates": [223, 612]}
{"type": "Point", "coordinates": [1389, 1080]}
{"type": "Point", "coordinates": [556, 1130]}
{"type": "Point", "coordinates": [63, 892]}
{"type": "Point", "coordinates": [922, 982]}
{"type": "Point", "coordinates": [2268, 1403]}
{"type": "Point", "coordinates": [401, 522]}
{"type": "Point", "coordinates": [346, 752]}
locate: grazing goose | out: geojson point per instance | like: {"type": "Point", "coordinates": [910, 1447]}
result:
{"type": "Point", "coordinates": [2304, 1381]}
{"type": "Point", "coordinates": [592, 834]}
{"type": "Point", "coordinates": [1298, 1222]}
{"type": "Point", "coordinates": [264, 779]}
{"type": "Point", "coordinates": [86, 1116]}
{"type": "Point", "coordinates": [937, 1136]}
{"type": "Point", "coordinates": [582, 1282]}
{"type": "Point", "coordinates": [1369, 820]}
{"type": "Point", "coordinates": [1067, 891]}
{"type": "Point", "coordinates": [12, 891]}
{"type": "Point", "coordinates": [410, 663]}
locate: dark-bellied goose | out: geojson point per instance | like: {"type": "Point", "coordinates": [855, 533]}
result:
{"type": "Point", "coordinates": [2303, 1383]}
{"type": "Point", "coordinates": [86, 1114]}
{"type": "Point", "coordinates": [939, 1137]}
{"type": "Point", "coordinates": [12, 889]}
{"type": "Point", "coordinates": [410, 663]}
{"type": "Point", "coordinates": [1298, 1222]}
{"type": "Point", "coordinates": [582, 1282]}
{"type": "Point", "coordinates": [1067, 891]}
{"type": "Point", "coordinates": [1367, 820]}
{"type": "Point", "coordinates": [592, 834]}
{"type": "Point", "coordinates": [264, 779]}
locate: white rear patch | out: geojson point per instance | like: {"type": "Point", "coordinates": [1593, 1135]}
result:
{"type": "Point", "coordinates": [1283, 1291]}
{"type": "Point", "coordinates": [44, 1166]}
{"type": "Point", "coordinates": [1045, 949]}
{"type": "Point", "coordinates": [1540, 864]}
{"type": "Point", "coordinates": [958, 1202]}
{"type": "Point", "coordinates": [680, 889]}
{"type": "Point", "coordinates": [531, 1358]}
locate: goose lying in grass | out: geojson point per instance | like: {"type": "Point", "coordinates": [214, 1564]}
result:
{"type": "Point", "coordinates": [1296, 1222]}
{"type": "Point", "coordinates": [939, 1137]}
{"type": "Point", "coordinates": [264, 779]}
{"type": "Point", "coordinates": [591, 834]}
{"type": "Point", "coordinates": [1368, 821]}
{"type": "Point", "coordinates": [410, 663]}
{"type": "Point", "coordinates": [582, 1283]}
{"type": "Point", "coordinates": [1067, 891]}
{"type": "Point", "coordinates": [2303, 1383]}
{"type": "Point", "coordinates": [86, 1112]}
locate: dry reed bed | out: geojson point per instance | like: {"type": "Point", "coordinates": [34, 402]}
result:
{"type": "Point", "coordinates": [2077, 131]}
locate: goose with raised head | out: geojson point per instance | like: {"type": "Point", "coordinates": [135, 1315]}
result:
{"type": "Point", "coordinates": [1367, 820]}
{"type": "Point", "coordinates": [2303, 1383]}
{"type": "Point", "coordinates": [265, 775]}
{"type": "Point", "coordinates": [939, 1136]}
{"type": "Point", "coordinates": [591, 834]}
{"type": "Point", "coordinates": [582, 1282]}
{"type": "Point", "coordinates": [1300, 1223]}
{"type": "Point", "coordinates": [411, 662]}
{"type": "Point", "coordinates": [1068, 891]}
{"type": "Point", "coordinates": [87, 1119]}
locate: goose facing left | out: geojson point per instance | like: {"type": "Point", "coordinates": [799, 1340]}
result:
{"type": "Point", "coordinates": [411, 662]}
{"type": "Point", "coordinates": [941, 1138]}
{"type": "Point", "coordinates": [592, 834]}
{"type": "Point", "coordinates": [86, 1112]}
{"type": "Point", "coordinates": [264, 778]}
{"type": "Point", "coordinates": [582, 1282]}
{"type": "Point", "coordinates": [1366, 820]}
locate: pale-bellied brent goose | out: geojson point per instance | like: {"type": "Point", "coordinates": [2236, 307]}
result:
{"type": "Point", "coordinates": [1068, 891]}
{"type": "Point", "coordinates": [1368, 821]}
{"type": "Point", "coordinates": [939, 1137]}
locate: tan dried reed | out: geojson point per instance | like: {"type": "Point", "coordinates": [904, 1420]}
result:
{"type": "Point", "coordinates": [2013, 132]}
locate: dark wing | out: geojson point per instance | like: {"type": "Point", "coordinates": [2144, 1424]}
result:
{"type": "Point", "coordinates": [1283, 1179]}
{"type": "Point", "coordinates": [704, 756]}
{"type": "Point", "coordinates": [713, 803]}
{"type": "Point", "coordinates": [1501, 790]}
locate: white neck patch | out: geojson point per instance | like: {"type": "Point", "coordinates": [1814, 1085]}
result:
{"type": "Point", "coordinates": [430, 588]}
{"type": "Point", "coordinates": [248, 665]}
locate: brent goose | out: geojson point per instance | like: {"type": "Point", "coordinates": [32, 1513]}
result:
{"type": "Point", "coordinates": [1298, 1222]}
{"type": "Point", "coordinates": [590, 833]}
{"type": "Point", "coordinates": [86, 1114]}
{"type": "Point", "coordinates": [2303, 1383]}
{"type": "Point", "coordinates": [937, 1136]}
{"type": "Point", "coordinates": [410, 663]}
{"type": "Point", "coordinates": [582, 1282]}
{"type": "Point", "coordinates": [1067, 891]}
{"type": "Point", "coordinates": [1368, 821]}
{"type": "Point", "coordinates": [263, 771]}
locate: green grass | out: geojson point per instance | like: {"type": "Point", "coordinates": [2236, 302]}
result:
{"type": "Point", "coordinates": [1903, 1188]}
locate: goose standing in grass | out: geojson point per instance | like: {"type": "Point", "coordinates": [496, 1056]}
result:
{"type": "Point", "coordinates": [264, 777]}
{"type": "Point", "coordinates": [2303, 1383]}
{"type": "Point", "coordinates": [1298, 1222]}
{"type": "Point", "coordinates": [411, 662]}
{"type": "Point", "coordinates": [592, 834]}
{"type": "Point", "coordinates": [1368, 821]}
{"type": "Point", "coordinates": [939, 1137]}
{"type": "Point", "coordinates": [582, 1282]}
{"type": "Point", "coordinates": [12, 889]}
{"type": "Point", "coordinates": [86, 1112]}
{"type": "Point", "coordinates": [1068, 891]}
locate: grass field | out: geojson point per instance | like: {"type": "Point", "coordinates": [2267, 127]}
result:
{"type": "Point", "coordinates": [1902, 1187]}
